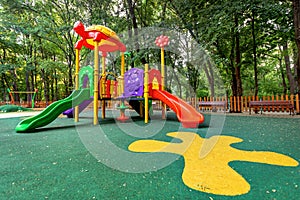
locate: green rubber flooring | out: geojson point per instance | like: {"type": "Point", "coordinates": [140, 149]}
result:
{"type": "Point", "coordinates": [65, 160]}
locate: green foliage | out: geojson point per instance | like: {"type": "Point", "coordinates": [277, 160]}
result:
{"type": "Point", "coordinates": [202, 92]}
{"type": "Point", "coordinates": [37, 42]}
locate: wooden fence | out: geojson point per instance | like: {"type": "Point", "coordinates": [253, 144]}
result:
{"type": "Point", "coordinates": [234, 104]}
{"type": "Point", "coordinates": [241, 104]}
{"type": "Point", "coordinates": [27, 104]}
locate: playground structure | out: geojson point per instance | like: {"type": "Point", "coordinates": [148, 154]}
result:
{"type": "Point", "coordinates": [136, 86]}
{"type": "Point", "coordinates": [12, 99]}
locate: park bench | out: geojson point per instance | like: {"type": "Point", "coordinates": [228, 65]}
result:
{"type": "Point", "coordinates": [214, 105]}
{"type": "Point", "coordinates": [42, 104]}
{"type": "Point", "coordinates": [271, 106]}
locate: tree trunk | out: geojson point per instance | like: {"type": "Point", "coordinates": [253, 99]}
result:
{"type": "Point", "coordinates": [254, 53]}
{"type": "Point", "coordinates": [288, 67]}
{"type": "Point", "coordinates": [34, 74]}
{"type": "Point", "coordinates": [238, 59]}
{"type": "Point", "coordinates": [45, 83]}
{"type": "Point", "coordinates": [55, 97]}
{"type": "Point", "coordinates": [70, 75]}
{"type": "Point", "coordinates": [210, 77]}
{"type": "Point", "coordinates": [3, 76]}
{"type": "Point", "coordinates": [235, 61]}
{"type": "Point", "coordinates": [232, 67]}
{"type": "Point", "coordinates": [51, 89]}
{"type": "Point", "coordinates": [296, 9]}
{"type": "Point", "coordinates": [32, 82]}
{"type": "Point", "coordinates": [5, 85]}
{"type": "Point", "coordinates": [27, 73]}
{"type": "Point", "coordinates": [282, 77]}
{"type": "Point", "coordinates": [174, 76]}
{"type": "Point", "coordinates": [131, 7]}
{"type": "Point", "coordinates": [15, 85]}
{"type": "Point", "coordinates": [129, 30]}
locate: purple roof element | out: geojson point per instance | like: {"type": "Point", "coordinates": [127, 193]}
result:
{"type": "Point", "coordinates": [134, 82]}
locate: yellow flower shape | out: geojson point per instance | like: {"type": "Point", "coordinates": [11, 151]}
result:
{"type": "Point", "coordinates": [206, 161]}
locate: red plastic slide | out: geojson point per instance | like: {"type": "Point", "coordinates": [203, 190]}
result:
{"type": "Point", "coordinates": [186, 114]}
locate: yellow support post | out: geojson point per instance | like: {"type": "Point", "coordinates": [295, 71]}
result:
{"type": "Point", "coordinates": [146, 92]}
{"type": "Point", "coordinates": [122, 71]}
{"type": "Point", "coordinates": [76, 110]}
{"type": "Point", "coordinates": [122, 63]}
{"type": "Point", "coordinates": [164, 108]}
{"type": "Point", "coordinates": [162, 69]}
{"type": "Point", "coordinates": [103, 82]}
{"type": "Point", "coordinates": [297, 104]}
{"type": "Point", "coordinates": [96, 74]}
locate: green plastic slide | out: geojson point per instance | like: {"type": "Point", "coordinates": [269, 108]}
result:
{"type": "Point", "coordinates": [50, 113]}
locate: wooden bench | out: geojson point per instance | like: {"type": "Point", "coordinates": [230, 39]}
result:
{"type": "Point", "coordinates": [42, 104]}
{"type": "Point", "coordinates": [213, 105]}
{"type": "Point", "coordinates": [271, 106]}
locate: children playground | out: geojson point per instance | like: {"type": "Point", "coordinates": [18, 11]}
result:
{"type": "Point", "coordinates": [78, 148]}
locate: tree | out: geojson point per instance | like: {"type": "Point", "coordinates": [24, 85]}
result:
{"type": "Point", "coordinates": [242, 38]}
{"type": "Point", "coordinates": [296, 10]}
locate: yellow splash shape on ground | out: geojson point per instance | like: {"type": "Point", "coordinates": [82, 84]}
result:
{"type": "Point", "coordinates": [211, 173]}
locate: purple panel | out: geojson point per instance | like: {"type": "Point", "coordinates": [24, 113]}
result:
{"type": "Point", "coordinates": [82, 106]}
{"type": "Point", "coordinates": [85, 81]}
{"type": "Point", "coordinates": [134, 82]}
